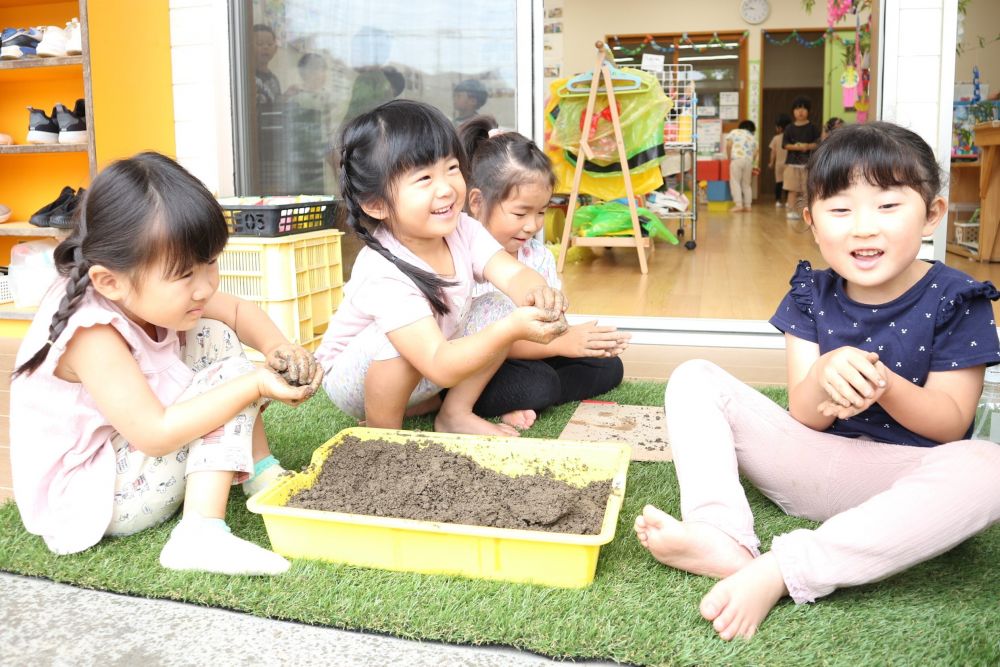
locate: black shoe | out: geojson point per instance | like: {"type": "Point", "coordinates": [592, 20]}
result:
{"type": "Point", "coordinates": [62, 217]}
{"type": "Point", "coordinates": [41, 128]}
{"type": "Point", "coordinates": [41, 217]}
{"type": "Point", "coordinates": [72, 128]}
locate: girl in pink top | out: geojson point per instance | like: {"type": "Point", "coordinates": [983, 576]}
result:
{"type": "Point", "coordinates": [131, 392]}
{"type": "Point", "coordinates": [395, 340]}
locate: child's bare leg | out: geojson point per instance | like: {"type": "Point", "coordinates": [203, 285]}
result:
{"type": "Point", "coordinates": [424, 407]}
{"type": "Point", "coordinates": [388, 386]}
{"type": "Point", "coordinates": [692, 546]}
{"type": "Point", "coordinates": [207, 493]}
{"type": "Point", "coordinates": [456, 414]}
{"type": "Point", "coordinates": [739, 603]}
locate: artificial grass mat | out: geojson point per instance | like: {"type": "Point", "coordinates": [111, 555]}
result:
{"type": "Point", "coordinates": [945, 611]}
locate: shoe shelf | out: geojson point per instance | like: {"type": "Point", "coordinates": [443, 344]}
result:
{"type": "Point", "coordinates": [28, 229]}
{"type": "Point", "coordinates": [27, 149]}
{"type": "Point", "coordinates": [38, 63]}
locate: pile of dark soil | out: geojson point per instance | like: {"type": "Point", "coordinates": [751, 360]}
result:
{"type": "Point", "coordinates": [428, 483]}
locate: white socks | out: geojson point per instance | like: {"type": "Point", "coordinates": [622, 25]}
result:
{"type": "Point", "coordinates": [265, 471]}
{"type": "Point", "coordinates": [198, 543]}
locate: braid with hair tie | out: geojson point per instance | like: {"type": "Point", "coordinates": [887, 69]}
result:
{"type": "Point", "coordinates": [430, 284]}
{"type": "Point", "coordinates": [77, 281]}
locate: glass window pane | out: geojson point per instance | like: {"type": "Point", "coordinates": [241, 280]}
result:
{"type": "Point", "coordinates": [319, 63]}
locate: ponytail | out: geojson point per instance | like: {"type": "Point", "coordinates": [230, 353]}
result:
{"type": "Point", "coordinates": [501, 161]}
{"type": "Point", "coordinates": [70, 262]}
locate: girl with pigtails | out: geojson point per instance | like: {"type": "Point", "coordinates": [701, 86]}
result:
{"type": "Point", "coordinates": [395, 340]}
{"type": "Point", "coordinates": [131, 394]}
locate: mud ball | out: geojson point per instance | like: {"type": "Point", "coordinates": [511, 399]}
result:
{"type": "Point", "coordinates": [287, 377]}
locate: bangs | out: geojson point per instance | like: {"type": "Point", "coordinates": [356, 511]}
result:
{"type": "Point", "coordinates": [866, 154]}
{"type": "Point", "coordinates": [415, 136]}
{"type": "Point", "coordinates": [185, 232]}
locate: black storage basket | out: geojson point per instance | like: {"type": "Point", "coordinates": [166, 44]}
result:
{"type": "Point", "coordinates": [279, 219]}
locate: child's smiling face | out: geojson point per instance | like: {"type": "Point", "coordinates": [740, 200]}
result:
{"type": "Point", "coordinates": [426, 202]}
{"type": "Point", "coordinates": [516, 219]}
{"type": "Point", "coordinates": [871, 236]}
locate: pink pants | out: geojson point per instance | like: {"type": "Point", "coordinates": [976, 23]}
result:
{"type": "Point", "coordinates": [884, 507]}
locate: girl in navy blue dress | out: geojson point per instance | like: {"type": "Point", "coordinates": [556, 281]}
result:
{"type": "Point", "coordinates": [885, 357]}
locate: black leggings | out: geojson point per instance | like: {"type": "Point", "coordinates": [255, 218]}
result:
{"type": "Point", "coordinates": [521, 384]}
{"type": "Point", "coordinates": [778, 188]}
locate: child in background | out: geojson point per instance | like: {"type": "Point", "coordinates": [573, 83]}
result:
{"type": "Point", "coordinates": [741, 149]}
{"type": "Point", "coordinates": [776, 158]}
{"type": "Point", "coordinates": [800, 140]}
{"type": "Point", "coordinates": [830, 125]}
{"type": "Point", "coordinates": [395, 340]}
{"type": "Point", "coordinates": [511, 184]}
{"type": "Point", "coordinates": [131, 391]}
{"type": "Point", "coordinates": [468, 98]}
{"type": "Point", "coordinates": [885, 358]}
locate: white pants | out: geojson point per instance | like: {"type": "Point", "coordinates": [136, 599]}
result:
{"type": "Point", "coordinates": [740, 173]}
{"type": "Point", "coordinates": [150, 489]}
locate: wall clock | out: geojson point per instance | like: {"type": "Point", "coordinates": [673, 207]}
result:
{"type": "Point", "coordinates": [755, 11]}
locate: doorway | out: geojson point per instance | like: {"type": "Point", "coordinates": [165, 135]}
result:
{"type": "Point", "coordinates": [775, 101]}
{"type": "Point", "coordinates": [788, 70]}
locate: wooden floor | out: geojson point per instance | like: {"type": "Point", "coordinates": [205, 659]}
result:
{"type": "Point", "coordinates": [739, 270]}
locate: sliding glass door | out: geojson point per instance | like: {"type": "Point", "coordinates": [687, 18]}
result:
{"type": "Point", "coordinates": [303, 68]}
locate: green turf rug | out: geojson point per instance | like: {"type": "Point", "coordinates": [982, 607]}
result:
{"type": "Point", "coordinates": [946, 611]}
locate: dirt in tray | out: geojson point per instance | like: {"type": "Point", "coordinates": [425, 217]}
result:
{"type": "Point", "coordinates": [428, 483]}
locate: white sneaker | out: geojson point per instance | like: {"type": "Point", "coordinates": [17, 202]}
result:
{"type": "Point", "coordinates": [53, 44]}
{"type": "Point", "coordinates": [74, 42]}
{"type": "Point", "coordinates": [206, 545]}
{"type": "Point", "coordinates": [792, 215]}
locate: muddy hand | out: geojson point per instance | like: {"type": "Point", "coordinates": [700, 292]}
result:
{"type": "Point", "coordinates": [272, 385]}
{"type": "Point", "coordinates": [534, 324]}
{"type": "Point", "coordinates": [551, 300]}
{"type": "Point", "coordinates": [294, 363]}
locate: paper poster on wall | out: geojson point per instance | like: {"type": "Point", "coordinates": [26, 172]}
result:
{"type": "Point", "coordinates": [706, 110]}
{"type": "Point", "coordinates": [652, 62]}
{"type": "Point", "coordinates": [753, 88]}
{"type": "Point", "coordinates": [729, 99]}
{"type": "Point", "coordinates": [552, 49]}
{"type": "Point", "coordinates": [729, 112]}
{"type": "Point", "coordinates": [709, 136]}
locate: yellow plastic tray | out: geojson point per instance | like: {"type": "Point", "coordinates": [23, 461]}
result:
{"type": "Point", "coordinates": [551, 559]}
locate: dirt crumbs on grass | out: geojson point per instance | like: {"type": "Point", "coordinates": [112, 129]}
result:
{"type": "Point", "coordinates": [429, 483]}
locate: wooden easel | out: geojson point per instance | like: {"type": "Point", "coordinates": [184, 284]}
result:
{"type": "Point", "coordinates": [637, 240]}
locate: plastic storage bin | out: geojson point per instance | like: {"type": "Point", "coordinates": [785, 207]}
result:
{"type": "Point", "coordinates": [719, 191]}
{"type": "Point", "coordinates": [279, 219]}
{"type": "Point", "coordinates": [298, 280]}
{"type": "Point", "coordinates": [551, 559]}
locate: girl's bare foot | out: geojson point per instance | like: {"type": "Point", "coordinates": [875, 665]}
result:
{"type": "Point", "coordinates": [467, 422]}
{"type": "Point", "coordinates": [519, 419]}
{"type": "Point", "coordinates": [698, 548]}
{"type": "Point", "coordinates": [738, 604]}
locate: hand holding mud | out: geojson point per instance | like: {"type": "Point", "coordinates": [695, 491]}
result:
{"type": "Point", "coordinates": [295, 372]}
{"type": "Point", "coordinates": [549, 299]}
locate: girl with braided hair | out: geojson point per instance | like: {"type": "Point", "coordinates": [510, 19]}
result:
{"type": "Point", "coordinates": [395, 340]}
{"type": "Point", "coordinates": [131, 393]}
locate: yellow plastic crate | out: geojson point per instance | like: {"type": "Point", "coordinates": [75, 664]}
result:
{"type": "Point", "coordinates": [297, 280]}
{"type": "Point", "coordinates": [524, 556]}
{"type": "Point", "coordinates": [285, 267]}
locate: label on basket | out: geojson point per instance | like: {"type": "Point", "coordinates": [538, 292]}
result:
{"type": "Point", "coordinates": [249, 222]}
